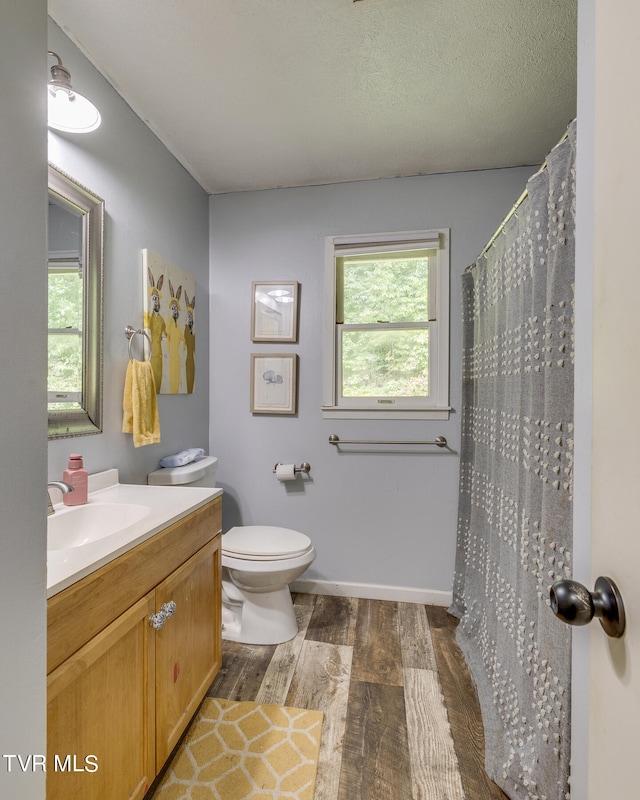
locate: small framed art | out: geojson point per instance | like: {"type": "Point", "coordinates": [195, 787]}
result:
{"type": "Point", "coordinates": [274, 383]}
{"type": "Point", "coordinates": [274, 311]}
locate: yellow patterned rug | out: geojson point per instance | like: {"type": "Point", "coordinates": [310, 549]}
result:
{"type": "Point", "coordinates": [245, 751]}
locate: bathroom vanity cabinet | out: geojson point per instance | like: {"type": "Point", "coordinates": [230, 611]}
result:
{"type": "Point", "coordinates": [119, 691]}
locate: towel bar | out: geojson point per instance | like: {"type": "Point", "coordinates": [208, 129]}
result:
{"type": "Point", "coordinates": [439, 441]}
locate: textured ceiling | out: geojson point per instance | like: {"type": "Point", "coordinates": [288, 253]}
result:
{"type": "Point", "coordinates": [254, 94]}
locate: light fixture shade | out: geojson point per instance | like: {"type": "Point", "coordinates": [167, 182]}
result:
{"type": "Point", "coordinates": [281, 295]}
{"type": "Point", "coordinates": [69, 111]}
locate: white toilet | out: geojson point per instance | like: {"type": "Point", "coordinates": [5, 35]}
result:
{"type": "Point", "coordinates": [258, 564]}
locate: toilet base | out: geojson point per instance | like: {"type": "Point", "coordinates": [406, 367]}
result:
{"type": "Point", "coordinates": [257, 617]}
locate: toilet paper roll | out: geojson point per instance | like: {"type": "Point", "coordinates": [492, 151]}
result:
{"type": "Point", "coordinates": [285, 472]}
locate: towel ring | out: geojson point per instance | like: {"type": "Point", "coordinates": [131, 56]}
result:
{"type": "Point", "coordinates": [130, 332]}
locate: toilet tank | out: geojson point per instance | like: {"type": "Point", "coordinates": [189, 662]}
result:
{"type": "Point", "coordinates": [201, 472]}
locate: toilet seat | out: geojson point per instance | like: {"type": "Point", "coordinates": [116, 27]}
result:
{"type": "Point", "coordinates": [264, 543]}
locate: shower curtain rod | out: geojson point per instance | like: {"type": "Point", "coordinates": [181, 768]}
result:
{"type": "Point", "coordinates": [518, 203]}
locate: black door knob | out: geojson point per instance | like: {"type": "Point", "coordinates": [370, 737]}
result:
{"type": "Point", "coordinates": [574, 604]}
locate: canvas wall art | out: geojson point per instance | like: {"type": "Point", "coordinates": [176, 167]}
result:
{"type": "Point", "coordinates": [169, 311]}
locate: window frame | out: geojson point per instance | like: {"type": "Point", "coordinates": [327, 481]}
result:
{"type": "Point", "coordinates": [436, 406]}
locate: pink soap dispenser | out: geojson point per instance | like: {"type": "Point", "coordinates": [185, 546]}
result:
{"type": "Point", "coordinates": [77, 477]}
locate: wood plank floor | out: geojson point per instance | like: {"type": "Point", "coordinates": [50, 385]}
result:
{"type": "Point", "coordinates": [401, 721]}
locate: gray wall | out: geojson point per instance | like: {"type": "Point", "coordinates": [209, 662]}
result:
{"type": "Point", "coordinates": [152, 202]}
{"type": "Point", "coordinates": [23, 433]}
{"type": "Point", "coordinates": [379, 519]}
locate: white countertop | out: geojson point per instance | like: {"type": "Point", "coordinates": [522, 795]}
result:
{"type": "Point", "coordinates": [168, 504]}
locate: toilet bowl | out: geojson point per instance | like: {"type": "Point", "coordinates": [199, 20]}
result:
{"type": "Point", "coordinates": [258, 564]}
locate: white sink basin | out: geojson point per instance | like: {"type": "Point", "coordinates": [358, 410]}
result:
{"type": "Point", "coordinates": [117, 518]}
{"type": "Point", "coordinates": [80, 525]}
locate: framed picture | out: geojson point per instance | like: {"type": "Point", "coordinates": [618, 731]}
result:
{"type": "Point", "coordinates": [274, 311]}
{"type": "Point", "coordinates": [273, 383]}
{"type": "Point", "coordinates": [168, 312]}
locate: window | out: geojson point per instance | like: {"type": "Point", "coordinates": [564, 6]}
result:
{"type": "Point", "coordinates": [387, 326]}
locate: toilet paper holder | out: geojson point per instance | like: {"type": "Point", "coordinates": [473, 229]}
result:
{"type": "Point", "coordinates": [304, 467]}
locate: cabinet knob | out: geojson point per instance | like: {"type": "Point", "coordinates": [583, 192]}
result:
{"type": "Point", "coordinates": [166, 610]}
{"type": "Point", "coordinates": [157, 620]}
{"type": "Point", "coordinates": [169, 608]}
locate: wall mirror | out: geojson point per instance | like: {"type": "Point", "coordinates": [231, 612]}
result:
{"type": "Point", "coordinates": [75, 267]}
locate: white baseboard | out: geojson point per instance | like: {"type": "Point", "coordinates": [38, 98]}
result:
{"type": "Point", "coordinates": [404, 594]}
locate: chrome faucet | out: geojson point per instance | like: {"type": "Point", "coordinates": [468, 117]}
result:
{"type": "Point", "coordinates": [64, 488]}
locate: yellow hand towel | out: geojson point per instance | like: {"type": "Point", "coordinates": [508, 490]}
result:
{"type": "Point", "coordinates": [140, 405]}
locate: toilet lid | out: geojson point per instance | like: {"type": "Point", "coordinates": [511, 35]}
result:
{"type": "Point", "coordinates": [261, 542]}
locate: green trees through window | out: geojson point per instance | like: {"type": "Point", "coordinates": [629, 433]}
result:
{"type": "Point", "coordinates": [385, 324]}
{"type": "Point", "coordinates": [65, 336]}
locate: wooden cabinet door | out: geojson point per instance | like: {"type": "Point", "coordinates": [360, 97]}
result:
{"type": "Point", "coordinates": [188, 646]}
{"type": "Point", "coordinates": [100, 714]}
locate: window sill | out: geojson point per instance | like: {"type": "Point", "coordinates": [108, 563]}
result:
{"type": "Point", "coordinates": [332, 412]}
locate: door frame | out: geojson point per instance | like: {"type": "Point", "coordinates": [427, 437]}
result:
{"type": "Point", "coordinates": [585, 190]}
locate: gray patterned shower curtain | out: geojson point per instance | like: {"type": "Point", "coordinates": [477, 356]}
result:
{"type": "Point", "coordinates": [516, 485]}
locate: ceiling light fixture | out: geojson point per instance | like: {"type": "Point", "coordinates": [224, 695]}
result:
{"type": "Point", "coordinates": [69, 111]}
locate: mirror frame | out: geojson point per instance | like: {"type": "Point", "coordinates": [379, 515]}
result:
{"type": "Point", "coordinates": [88, 419]}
